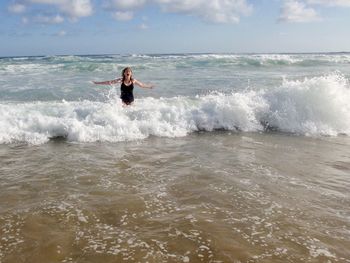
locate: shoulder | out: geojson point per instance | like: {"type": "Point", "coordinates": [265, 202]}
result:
{"type": "Point", "coordinates": [117, 81]}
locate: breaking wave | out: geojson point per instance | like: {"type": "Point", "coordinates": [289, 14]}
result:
{"type": "Point", "coordinates": [313, 106]}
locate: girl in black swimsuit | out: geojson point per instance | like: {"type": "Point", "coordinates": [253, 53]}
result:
{"type": "Point", "coordinates": [126, 93]}
{"type": "Point", "coordinates": [127, 85]}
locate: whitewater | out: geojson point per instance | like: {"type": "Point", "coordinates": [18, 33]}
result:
{"type": "Point", "coordinates": [50, 97]}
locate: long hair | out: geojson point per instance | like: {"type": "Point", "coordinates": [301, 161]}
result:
{"type": "Point", "coordinates": [123, 76]}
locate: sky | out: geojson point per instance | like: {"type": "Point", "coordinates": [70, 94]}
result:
{"type": "Point", "coordinates": [75, 27]}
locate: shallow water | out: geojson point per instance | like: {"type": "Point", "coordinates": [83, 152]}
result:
{"type": "Point", "coordinates": [206, 197]}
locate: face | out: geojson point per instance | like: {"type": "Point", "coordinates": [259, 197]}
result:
{"type": "Point", "coordinates": [127, 73]}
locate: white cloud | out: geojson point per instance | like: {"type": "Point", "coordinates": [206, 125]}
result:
{"type": "Point", "coordinates": [17, 8]}
{"type": "Point", "coordinates": [341, 3]}
{"type": "Point", "coordinates": [74, 9]}
{"type": "Point", "coordinates": [42, 19]}
{"type": "Point", "coordinates": [294, 11]}
{"type": "Point", "coordinates": [218, 11]}
{"type": "Point", "coordinates": [123, 16]}
{"type": "Point", "coordinates": [125, 4]}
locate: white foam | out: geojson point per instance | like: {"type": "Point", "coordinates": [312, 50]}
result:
{"type": "Point", "coordinates": [28, 68]}
{"type": "Point", "coordinates": [94, 121]}
{"type": "Point", "coordinates": [277, 58]}
{"type": "Point", "coordinates": [316, 106]}
{"type": "Point", "coordinates": [256, 59]}
{"type": "Point", "coordinates": [317, 252]}
{"type": "Point", "coordinates": [313, 106]}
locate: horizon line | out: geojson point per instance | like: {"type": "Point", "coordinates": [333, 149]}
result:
{"type": "Point", "coordinates": [181, 53]}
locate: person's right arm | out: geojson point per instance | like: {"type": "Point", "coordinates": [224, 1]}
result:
{"type": "Point", "coordinates": [107, 82]}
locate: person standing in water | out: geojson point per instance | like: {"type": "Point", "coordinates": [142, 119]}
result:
{"type": "Point", "coordinates": [127, 85]}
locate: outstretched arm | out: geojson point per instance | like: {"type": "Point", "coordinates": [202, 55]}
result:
{"type": "Point", "coordinates": [143, 85]}
{"type": "Point", "coordinates": [108, 82]}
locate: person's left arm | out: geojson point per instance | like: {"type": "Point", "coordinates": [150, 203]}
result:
{"type": "Point", "coordinates": [143, 85]}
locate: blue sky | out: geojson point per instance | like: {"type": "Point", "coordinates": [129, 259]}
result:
{"type": "Point", "coordinates": [52, 27]}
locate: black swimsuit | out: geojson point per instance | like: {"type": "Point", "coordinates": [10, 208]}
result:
{"type": "Point", "coordinates": [126, 93]}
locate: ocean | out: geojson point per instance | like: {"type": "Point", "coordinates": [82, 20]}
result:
{"type": "Point", "coordinates": [230, 158]}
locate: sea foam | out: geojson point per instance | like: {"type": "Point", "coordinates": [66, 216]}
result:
{"type": "Point", "coordinates": [313, 106]}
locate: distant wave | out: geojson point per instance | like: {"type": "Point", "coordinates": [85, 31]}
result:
{"type": "Point", "coordinates": [105, 63]}
{"type": "Point", "coordinates": [260, 59]}
{"type": "Point", "coordinates": [314, 106]}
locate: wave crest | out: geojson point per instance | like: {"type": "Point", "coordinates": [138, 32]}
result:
{"type": "Point", "coordinates": [314, 106]}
